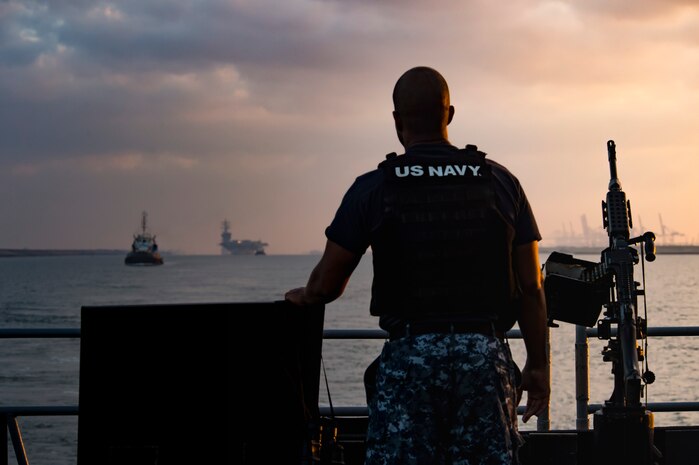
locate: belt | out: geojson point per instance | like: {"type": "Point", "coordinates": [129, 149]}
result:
{"type": "Point", "coordinates": [416, 329]}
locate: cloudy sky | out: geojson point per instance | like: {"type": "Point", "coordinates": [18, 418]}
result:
{"type": "Point", "coordinates": [263, 112]}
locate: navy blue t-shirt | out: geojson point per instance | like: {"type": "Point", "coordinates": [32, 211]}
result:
{"type": "Point", "coordinates": [360, 212]}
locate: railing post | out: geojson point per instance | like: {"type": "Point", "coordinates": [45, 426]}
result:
{"type": "Point", "coordinates": [17, 442]}
{"type": "Point", "coordinates": [582, 378]}
{"type": "Point", "coordinates": [543, 421]}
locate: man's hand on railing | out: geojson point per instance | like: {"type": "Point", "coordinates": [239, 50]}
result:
{"type": "Point", "coordinates": [536, 382]}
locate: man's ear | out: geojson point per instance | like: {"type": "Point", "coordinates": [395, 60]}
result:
{"type": "Point", "coordinates": [397, 121]}
{"type": "Point", "coordinates": [451, 113]}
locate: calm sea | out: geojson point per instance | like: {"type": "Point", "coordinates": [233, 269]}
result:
{"type": "Point", "coordinates": [48, 292]}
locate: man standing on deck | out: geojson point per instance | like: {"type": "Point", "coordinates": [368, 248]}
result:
{"type": "Point", "coordinates": [455, 257]}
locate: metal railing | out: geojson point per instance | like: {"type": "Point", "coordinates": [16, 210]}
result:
{"type": "Point", "coordinates": [9, 425]}
{"type": "Point", "coordinates": [582, 373]}
{"type": "Point", "coordinates": [9, 414]}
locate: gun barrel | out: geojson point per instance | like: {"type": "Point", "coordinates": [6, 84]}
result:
{"type": "Point", "coordinates": [614, 183]}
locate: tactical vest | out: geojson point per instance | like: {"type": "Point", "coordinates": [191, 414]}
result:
{"type": "Point", "coordinates": [443, 248]}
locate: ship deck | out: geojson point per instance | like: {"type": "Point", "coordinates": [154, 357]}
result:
{"type": "Point", "coordinates": [675, 445]}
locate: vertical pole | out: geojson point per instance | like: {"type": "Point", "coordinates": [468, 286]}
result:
{"type": "Point", "coordinates": [543, 421]}
{"type": "Point", "coordinates": [582, 378]}
{"type": "Point", "coordinates": [3, 439]}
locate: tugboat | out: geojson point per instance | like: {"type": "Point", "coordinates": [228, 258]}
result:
{"type": "Point", "coordinates": [144, 249]}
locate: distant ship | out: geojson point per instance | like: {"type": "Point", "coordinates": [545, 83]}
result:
{"type": "Point", "coordinates": [239, 246]}
{"type": "Point", "coordinates": [144, 249]}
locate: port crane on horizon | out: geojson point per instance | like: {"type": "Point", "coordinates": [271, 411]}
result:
{"type": "Point", "coordinates": [595, 236]}
{"type": "Point", "coordinates": [666, 232]}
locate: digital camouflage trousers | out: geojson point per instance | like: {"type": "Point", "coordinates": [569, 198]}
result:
{"type": "Point", "coordinates": [444, 399]}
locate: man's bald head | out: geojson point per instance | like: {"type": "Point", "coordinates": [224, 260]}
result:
{"type": "Point", "coordinates": [421, 99]}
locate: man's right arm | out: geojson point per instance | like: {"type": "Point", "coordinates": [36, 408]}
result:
{"type": "Point", "coordinates": [329, 277]}
{"type": "Point", "coordinates": [532, 323]}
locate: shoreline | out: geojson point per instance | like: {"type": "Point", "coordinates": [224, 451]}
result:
{"type": "Point", "coordinates": [569, 249]}
{"type": "Point", "coordinates": [588, 250]}
{"type": "Point", "coordinates": [7, 253]}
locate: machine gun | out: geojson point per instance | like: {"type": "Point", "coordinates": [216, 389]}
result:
{"type": "Point", "coordinates": [620, 259]}
{"type": "Point", "coordinates": [576, 290]}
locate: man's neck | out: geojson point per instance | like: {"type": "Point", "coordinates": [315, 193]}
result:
{"type": "Point", "coordinates": [425, 141]}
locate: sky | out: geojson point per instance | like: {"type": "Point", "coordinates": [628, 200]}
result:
{"type": "Point", "coordinates": [264, 112]}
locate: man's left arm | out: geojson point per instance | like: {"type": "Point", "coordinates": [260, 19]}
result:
{"type": "Point", "coordinates": [532, 323]}
{"type": "Point", "coordinates": [328, 279]}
